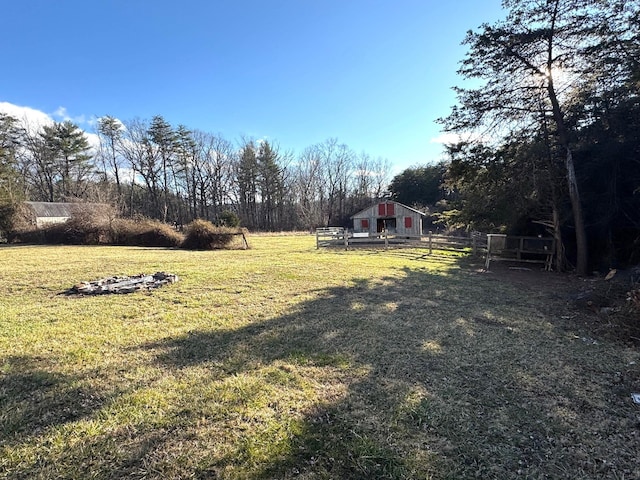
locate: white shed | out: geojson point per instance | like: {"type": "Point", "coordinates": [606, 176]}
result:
{"type": "Point", "coordinates": [389, 216]}
{"type": "Point", "coordinates": [42, 214]}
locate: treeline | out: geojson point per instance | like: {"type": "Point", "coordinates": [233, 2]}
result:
{"type": "Point", "coordinates": [153, 169]}
{"type": "Point", "coordinates": [552, 123]}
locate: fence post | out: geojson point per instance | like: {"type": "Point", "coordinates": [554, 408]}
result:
{"type": "Point", "coordinates": [346, 239]}
{"type": "Point", "coordinates": [520, 248]}
{"type": "Point", "coordinates": [474, 247]}
{"type": "Point", "coordinates": [430, 246]}
{"type": "Point", "coordinates": [386, 240]}
{"type": "Point", "coordinates": [317, 239]}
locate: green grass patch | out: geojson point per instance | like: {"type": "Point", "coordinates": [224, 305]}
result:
{"type": "Point", "coordinates": [284, 361]}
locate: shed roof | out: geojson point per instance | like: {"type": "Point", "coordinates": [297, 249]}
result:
{"type": "Point", "coordinates": [63, 209]}
{"type": "Point", "coordinates": [51, 209]}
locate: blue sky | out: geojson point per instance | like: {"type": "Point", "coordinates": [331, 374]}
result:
{"type": "Point", "coordinates": [374, 74]}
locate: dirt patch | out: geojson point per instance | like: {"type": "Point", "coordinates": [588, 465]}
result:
{"type": "Point", "coordinates": [602, 306]}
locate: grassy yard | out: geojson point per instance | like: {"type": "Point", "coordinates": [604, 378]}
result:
{"type": "Point", "coordinates": [287, 362]}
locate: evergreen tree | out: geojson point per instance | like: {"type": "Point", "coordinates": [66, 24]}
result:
{"type": "Point", "coordinates": [246, 175]}
{"type": "Point", "coordinates": [163, 140]}
{"type": "Point", "coordinates": [11, 138]}
{"type": "Point", "coordinates": [67, 149]}
{"type": "Point", "coordinates": [270, 186]}
{"type": "Point", "coordinates": [185, 175]}
{"type": "Point", "coordinates": [110, 132]}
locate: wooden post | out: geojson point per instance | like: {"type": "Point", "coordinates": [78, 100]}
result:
{"type": "Point", "coordinates": [430, 245]}
{"type": "Point", "coordinates": [346, 239]}
{"type": "Point", "coordinates": [317, 239]}
{"type": "Point", "coordinates": [520, 248]}
{"type": "Point", "coordinates": [386, 239]}
{"type": "Point", "coordinates": [474, 248]}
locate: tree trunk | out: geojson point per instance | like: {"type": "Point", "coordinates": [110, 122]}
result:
{"type": "Point", "coordinates": [578, 220]}
{"type": "Point", "coordinates": [582, 255]}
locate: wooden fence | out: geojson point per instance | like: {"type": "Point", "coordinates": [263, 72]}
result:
{"type": "Point", "coordinates": [339, 237]}
{"type": "Point", "coordinates": [520, 249]}
{"type": "Point", "coordinates": [493, 247]}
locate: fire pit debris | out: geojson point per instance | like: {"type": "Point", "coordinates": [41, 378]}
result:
{"type": "Point", "coordinates": [123, 284]}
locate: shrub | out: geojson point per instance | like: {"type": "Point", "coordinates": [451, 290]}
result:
{"type": "Point", "coordinates": [7, 212]}
{"type": "Point", "coordinates": [204, 235]}
{"type": "Point", "coordinates": [76, 231]}
{"type": "Point", "coordinates": [16, 223]}
{"type": "Point", "coordinates": [88, 225]}
{"type": "Point", "coordinates": [144, 233]}
{"type": "Point", "coordinates": [32, 236]}
{"type": "Point", "coordinates": [229, 219]}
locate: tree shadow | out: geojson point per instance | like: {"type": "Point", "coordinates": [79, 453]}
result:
{"type": "Point", "coordinates": [34, 398]}
{"type": "Point", "coordinates": [443, 365]}
{"type": "Point", "coordinates": [366, 326]}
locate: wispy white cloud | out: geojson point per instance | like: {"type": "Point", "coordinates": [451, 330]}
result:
{"type": "Point", "coordinates": [62, 114]}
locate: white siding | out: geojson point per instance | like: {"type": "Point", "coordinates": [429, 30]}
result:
{"type": "Point", "coordinates": [400, 212]}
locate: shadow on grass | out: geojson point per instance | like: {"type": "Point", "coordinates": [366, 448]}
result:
{"type": "Point", "coordinates": [458, 382]}
{"type": "Point", "coordinates": [415, 376]}
{"type": "Point", "coordinates": [371, 334]}
{"type": "Point", "coordinates": [33, 398]}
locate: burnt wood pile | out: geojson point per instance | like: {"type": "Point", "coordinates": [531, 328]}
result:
{"type": "Point", "coordinates": [130, 284]}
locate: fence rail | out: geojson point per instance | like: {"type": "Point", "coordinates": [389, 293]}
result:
{"type": "Point", "coordinates": [492, 247]}
{"type": "Point", "coordinates": [520, 249]}
{"type": "Point", "coordinates": [339, 237]}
